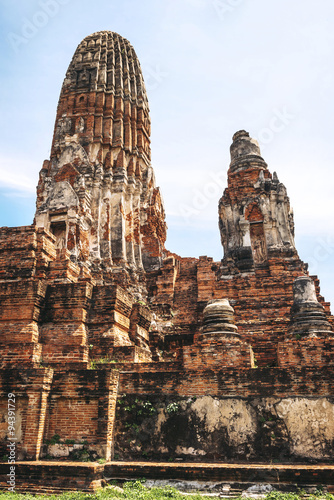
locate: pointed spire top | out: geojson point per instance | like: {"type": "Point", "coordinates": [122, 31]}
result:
{"type": "Point", "coordinates": [245, 152]}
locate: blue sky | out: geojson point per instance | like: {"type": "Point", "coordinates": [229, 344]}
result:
{"type": "Point", "coordinates": [211, 67]}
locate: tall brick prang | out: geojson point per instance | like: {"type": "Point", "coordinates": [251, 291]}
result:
{"type": "Point", "coordinates": [97, 193]}
{"type": "Point", "coordinates": [255, 218]}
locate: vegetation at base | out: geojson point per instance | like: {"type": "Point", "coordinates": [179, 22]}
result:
{"type": "Point", "coordinates": [137, 491]}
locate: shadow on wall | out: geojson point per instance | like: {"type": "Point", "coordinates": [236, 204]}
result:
{"type": "Point", "coordinates": [212, 428]}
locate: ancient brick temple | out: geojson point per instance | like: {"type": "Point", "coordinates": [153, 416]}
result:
{"type": "Point", "coordinates": [116, 347]}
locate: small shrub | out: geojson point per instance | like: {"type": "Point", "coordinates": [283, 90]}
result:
{"type": "Point", "coordinates": [54, 440]}
{"type": "Point", "coordinates": [147, 408]}
{"type": "Point", "coordinates": [172, 408]}
{"type": "Point", "coordinates": [81, 455]}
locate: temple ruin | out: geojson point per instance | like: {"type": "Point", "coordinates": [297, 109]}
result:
{"type": "Point", "coordinates": [120, 349]}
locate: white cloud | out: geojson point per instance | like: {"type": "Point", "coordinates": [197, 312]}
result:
{"type": "Point", "coordinates": [13, 174]}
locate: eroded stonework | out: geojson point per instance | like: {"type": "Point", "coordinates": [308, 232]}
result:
{"type": "Point", "coordinates": [255, 218]}
{"type": "Point", "coordinates": [111, 342]}
{"type": "Point", "coordinates": [97, 193]}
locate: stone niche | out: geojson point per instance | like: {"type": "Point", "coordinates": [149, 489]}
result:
{"type": "Point", "coordinates": [218, 345]}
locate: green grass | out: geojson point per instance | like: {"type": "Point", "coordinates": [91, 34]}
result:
{"type": "Point", "coordinates": [137, 491]}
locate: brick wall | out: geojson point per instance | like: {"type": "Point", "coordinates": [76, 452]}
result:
{"type": "Point", "coordinates": [82, 408]}
{"type": "Point", "coordinates": [261, 299]}
{"type": "Point", "coordinates": [256, 382]}
{"type": "Point", "coordinates": [31, 389]}
{"type": "Point", "coordinates": [306, 352]}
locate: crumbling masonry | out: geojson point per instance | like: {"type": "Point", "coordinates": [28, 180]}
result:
{"type": "Point", "coordinates": [115, 347]}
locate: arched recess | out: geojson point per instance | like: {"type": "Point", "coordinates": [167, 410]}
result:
{"type": "Point", "coordinates": [258, 241]}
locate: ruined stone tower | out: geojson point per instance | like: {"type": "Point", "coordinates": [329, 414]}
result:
{"type": "Point", "coordinates": [97, 193]}
{"type": "Point", "coordinates": [111, 343]}
{"type": "Point", "coordinates": [255, 218]}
